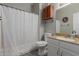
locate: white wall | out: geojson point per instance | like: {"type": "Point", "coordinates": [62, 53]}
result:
{"type": "Point", "coordinates": [76, 22]}
{"type": "Point", "coordinates": [57, 26]}
{"type": "Point", "coordinates": [41, 25]}
{"type": "Point", "coordinates": [35, 8]}
{"type": "Point", "coordinates": [23, 6]}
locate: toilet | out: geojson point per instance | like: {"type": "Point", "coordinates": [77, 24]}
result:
{"type": "Point", "coordinates": [42, 48]}
{"type": "Point", "coordinates": [42, 45]}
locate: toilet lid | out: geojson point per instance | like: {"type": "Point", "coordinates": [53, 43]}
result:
{"type": "Point", "coordinates": [41, 43]}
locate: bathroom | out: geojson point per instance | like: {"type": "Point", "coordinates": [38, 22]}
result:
{"type": "Point", "coordinates": [39, 29]}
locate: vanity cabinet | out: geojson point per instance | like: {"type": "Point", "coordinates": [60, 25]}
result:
{"type": "Point", "coordinates": [53, 48]}
{"type": "Point", "coordinates": [62, 48]}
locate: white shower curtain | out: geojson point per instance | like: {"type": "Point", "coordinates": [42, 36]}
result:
{"type": "Point", "coordinates": [1, 50]}
{"type": "Point", "coordinates": [20, 31]}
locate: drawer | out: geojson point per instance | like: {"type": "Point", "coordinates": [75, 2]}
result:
{"type": "Point", "coordinates": [69, 46]}
{"type": "Point", "coordinates": [53, 42]}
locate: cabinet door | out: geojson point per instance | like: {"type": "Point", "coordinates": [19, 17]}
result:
{"type": "Point", "coordinates": [71, 47]}
{"type": "Point", "coordinates": [65, 52]}
{"type": "Point", "coordinates": [53, 46]}
{"type": "Point", "coordinates": [53, 42]}
{"type": "Point", "coordinates": [48, 12]}
{"type": "Point", "coordinates": [52, 50]}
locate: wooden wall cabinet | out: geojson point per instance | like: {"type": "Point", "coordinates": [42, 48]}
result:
{"type": "Point", "coordinates": [48, 12]}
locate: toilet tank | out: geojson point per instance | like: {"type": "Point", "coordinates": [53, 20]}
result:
{"type": "Point", "coordinates": [46, 35]}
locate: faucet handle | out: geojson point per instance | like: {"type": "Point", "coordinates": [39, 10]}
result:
{"type": "Point", "coordinates": [73, 32]}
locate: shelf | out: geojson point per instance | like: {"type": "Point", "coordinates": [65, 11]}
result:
{"type": "Point", "coordinates": [48, 12]}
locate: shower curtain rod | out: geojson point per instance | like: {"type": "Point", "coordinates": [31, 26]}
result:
{"type": "Point", "coordinates": [14, 8]}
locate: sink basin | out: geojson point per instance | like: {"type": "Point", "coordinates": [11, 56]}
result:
{"type": "Point", "coordinates": [67, 36]}
{"type": "Point", "coordinates": [69, 39]}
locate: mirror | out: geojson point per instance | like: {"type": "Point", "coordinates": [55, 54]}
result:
{"type": "Point", "coordinates": [67, 19]}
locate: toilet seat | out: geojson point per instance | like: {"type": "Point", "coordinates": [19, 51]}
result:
{"type": "Point", "coordinates": [41, 43]}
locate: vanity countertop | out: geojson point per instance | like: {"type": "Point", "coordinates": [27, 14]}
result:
{"type": "Point", "coordinates": [63, 38]}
